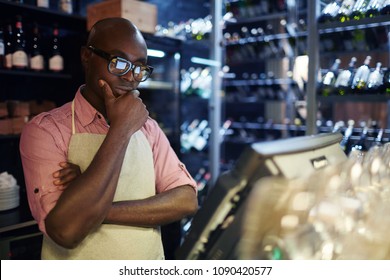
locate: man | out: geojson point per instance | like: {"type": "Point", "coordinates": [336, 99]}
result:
{"type": "Point", "coordinates": [131, 181]}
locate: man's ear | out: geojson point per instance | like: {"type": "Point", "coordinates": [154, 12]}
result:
{"type": "Point", "coordinates": [84, 54]}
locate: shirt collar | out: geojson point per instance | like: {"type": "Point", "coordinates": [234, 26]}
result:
{"type": "Point", "coordinates": [86, 113]}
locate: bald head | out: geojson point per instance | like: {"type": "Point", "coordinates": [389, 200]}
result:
{"type": "Point", "coordinates": [110, 30]}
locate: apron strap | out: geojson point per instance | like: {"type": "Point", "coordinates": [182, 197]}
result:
{"type": "Point", "coordinates": [73, 125]}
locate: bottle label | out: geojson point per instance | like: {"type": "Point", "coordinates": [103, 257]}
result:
{"type": "Point", "coordinates": [56, 63]}
{"type": "Point", "coordinates": [19, 59]}
{"type": "Point", "coordinates": [37, 62]}
{"type": "Point", "coordinates": [2, 50]}
{"type": "Point", "coordinates": [8, 61]}
{"type": "Point", "coordinates": [66, 6]}
{"type": "Point", "coordinates": [43, 3]}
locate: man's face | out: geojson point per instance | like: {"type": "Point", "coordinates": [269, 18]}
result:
{"type": "Point", "coordinates": [130, 48]}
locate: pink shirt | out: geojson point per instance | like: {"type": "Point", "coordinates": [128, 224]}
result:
{"type": "Point", "coordinates": [44, 144]}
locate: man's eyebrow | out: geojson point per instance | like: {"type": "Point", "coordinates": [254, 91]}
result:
{"type": "Point", "coordinates": [116, 52]}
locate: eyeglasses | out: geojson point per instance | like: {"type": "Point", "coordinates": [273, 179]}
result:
{"type": "Point", "coordinates": [119, 66]}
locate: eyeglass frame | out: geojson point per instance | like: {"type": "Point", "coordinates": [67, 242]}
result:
{"type": "Point", "coordinates": [110, 57]}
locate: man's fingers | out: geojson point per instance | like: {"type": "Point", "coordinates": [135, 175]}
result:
{"type": "Point", "coordinates": [108, 95]}
{"type": "Point", "coordinates": [135, 93]}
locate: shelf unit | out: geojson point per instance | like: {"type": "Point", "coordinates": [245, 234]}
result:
{"type": "Point", "coordinates": [260, 92]}
{"type": "Point", "coordinates": [160, 94]}
{"type": "Point", "coordinates": [342, 106]}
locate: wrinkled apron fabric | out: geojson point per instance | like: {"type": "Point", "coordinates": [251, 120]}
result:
{"type": "Point", "coordinates": [136, 181]}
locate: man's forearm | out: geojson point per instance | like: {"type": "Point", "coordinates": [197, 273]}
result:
{"type": "Point", "coordinates": [158, 210]}
{"type": "Point", "coordinates": [86, 201]}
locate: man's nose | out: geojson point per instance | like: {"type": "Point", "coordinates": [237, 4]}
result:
{"type": "Point", "coordinates": [129, 76]}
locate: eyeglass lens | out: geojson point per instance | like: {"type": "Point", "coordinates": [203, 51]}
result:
{"type": "Point", "coordinates": [119, 66]}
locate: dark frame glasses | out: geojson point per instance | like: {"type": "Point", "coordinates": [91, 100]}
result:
{"type": "Point", "coordinates": [119, 66]}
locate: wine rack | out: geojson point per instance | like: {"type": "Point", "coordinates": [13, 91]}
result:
{"type": "Point", "coordinates": [355, 38]}
{"type": "Point", "coordinates": [40, 87]}
{"type": "Point", "coordinates": [262, 41]}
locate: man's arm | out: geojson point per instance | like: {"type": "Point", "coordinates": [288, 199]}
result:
{"type": "Point", "coordinates": [163, 208]}
{"type": "Point", "coordinates": [86, 201]}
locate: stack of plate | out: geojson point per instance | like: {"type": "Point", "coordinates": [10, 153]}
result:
{"type": "Point", "coordinates": [9, 192]}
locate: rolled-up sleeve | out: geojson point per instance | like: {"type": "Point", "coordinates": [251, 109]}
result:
{"type": "Point", "coordinates": [41, 152]}
{"type": "Point", "coordinates": [170, 172]}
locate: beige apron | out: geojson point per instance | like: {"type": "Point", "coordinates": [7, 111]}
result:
{"type": "Point", "coordinates": [136, 181]}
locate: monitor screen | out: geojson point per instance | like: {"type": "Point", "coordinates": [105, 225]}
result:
{"type": "Point", "coordinates": [215, 229]}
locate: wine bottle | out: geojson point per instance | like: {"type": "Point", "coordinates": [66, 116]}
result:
{"type": "Point", "coordinates": [202, 187]}
{"type": "Point", "coordinates": [186, 128]}
{"type": "Point", "coordinates": [279, 5]}
{"type": "Point", "coordinates": [263, 7]}
{"type": "Point", "coordinates": [347, 41]}
{"type": "Point", "coordinates": [361, 144]}
{"type": "Point", "coordinates": [359, 40]}
{"type": "Point", "coordinates": [302, 40]}
{"type": "Point", "coordinates": [386, 82]}
{"type": "Point", "coordinates": [2, 49]}
{"type": "Point", "coordinates": [8, 47]}
{"type": "Point", "coordinates": [385, 10]}
{"type": "Point", "coordinates": [186, 82]}
{"type": "Point", "coordinates": [290, 44]}
{"type": "Point", "coordinates": [375, 79]}
{"type": "Point", "coordinates": [378, 141]}
{"type": "Point", "coordinates": [345, 10]}
{"type": "Point", "coordinates": [223, 131]}
{"type": "Point", "coordinates": [19, 56]}
{"type": "Point", "coordinates": [329, 79]}
{"type": "Point", "coordinates": [250, 51]}
{"type": "Point", "coordinates": [273, 44]}
{"type": "Point", "coordinates": [196, 133]}
{"type": "Point", "coordinates": [346, 140]}
{"type": "Point", "coordinates": [344, 79]}
{"type": "Point", "coordinates": [374, 8]}
{"type": "Point", "coordinates": [36, 58]}
{"type": "Point", "coordinates": [262, 44]}
{"type": "Point", "coordinates": [360, 9]}
{"type": "Point", "coordinates": [201, 142]}
{"type": "Point", "coordinates": [372, 38]}
{"type": "Point", "coordinates": [361, 76]}
{"type": "Point", "coordinates": [329, 12]}
{"type": "Point", "coordinates": [338, 126]}
{"type": "Point", "coordinates": [56, 61]}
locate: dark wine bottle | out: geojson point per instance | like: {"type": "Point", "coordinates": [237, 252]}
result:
{"type": "Point", "coordinates": [346, 140]}
{"type": "Point", "coordinates": [378, 141]}
{"type": "Point", "coordinates": [56, 61]}
{"type": "Point", "coordinates": [360, 9]}
{"type": "Point", "coordinates": [361, 144]}
{"type": "Point", "coordinates": [8, 47]}
{"type": "Point", "coordinates": [374, 8]}
{"type": "Point", "coordinates": [385, 89]}
{"type": "Point", "coordinates": [19, 56]}
{"type": "Point", "coordinates": [37, 62]}
{"type": "Point", "coordinates": [345, 10]}
{"type": "Point", "coordinates": [385, 10]}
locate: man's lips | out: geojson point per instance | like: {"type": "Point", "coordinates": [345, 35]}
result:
{"type": "Point", "coordinates": [123, 90]}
